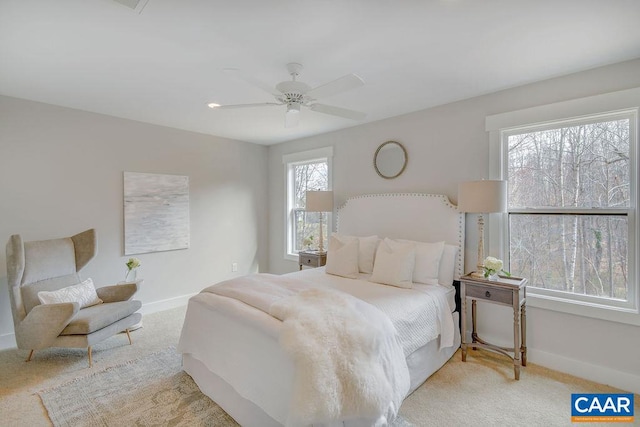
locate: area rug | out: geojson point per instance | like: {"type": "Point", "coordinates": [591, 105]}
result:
{"type": "Point", "coordinates": [150, 391]}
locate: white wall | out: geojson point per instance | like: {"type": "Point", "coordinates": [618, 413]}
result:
{"type": "Point", "coordinates": [61, 173]}
{"type": "Point", "coordinates": [446, 145]}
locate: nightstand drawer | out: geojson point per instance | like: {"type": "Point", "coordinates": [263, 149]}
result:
{"type": "Point", "coordinates": [310, 260]}
{"type": "Point", "coordinates": [503, 296]}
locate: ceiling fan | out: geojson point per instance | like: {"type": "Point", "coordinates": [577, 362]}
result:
{"type": "Point", "coordinates": [295, 95]}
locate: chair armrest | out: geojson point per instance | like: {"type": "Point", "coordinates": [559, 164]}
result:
{"type": "Point", "coordinates": [115, 293]}
{"type": "Point", "coordinates": [44, 323]}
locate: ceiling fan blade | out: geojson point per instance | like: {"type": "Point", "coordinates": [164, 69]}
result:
{"type": "Point", "coordinates": [292, 119]}
{"type": "Point", "coordinates": [342, 84]}
{"type": "Point", "coordinates": [337, 111]}
{"type": "Point", "coordinates": [231, 106]}
{"type": "Point", "coordinates": [252, 81]}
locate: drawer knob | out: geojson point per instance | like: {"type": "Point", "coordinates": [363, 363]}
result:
{"type": "Point", "coordinates": [487, 294]}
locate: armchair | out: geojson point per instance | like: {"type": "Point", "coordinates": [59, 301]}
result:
{"type": "Point", "coordinates": [50, 265]}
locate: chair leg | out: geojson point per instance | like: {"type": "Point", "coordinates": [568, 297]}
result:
{"type": "Point", "coordinates": [128, 336]}
{"type": "Point", "coordinates": [90, 357]}
{"type": "Point", "coordinates": [29, 358]}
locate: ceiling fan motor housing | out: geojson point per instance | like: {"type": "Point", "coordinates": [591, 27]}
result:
{"type": "Point", "coordinates": [293, 92]}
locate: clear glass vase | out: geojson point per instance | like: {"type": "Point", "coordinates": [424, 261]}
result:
{"type": "Point", "coordinates": [130, 276]}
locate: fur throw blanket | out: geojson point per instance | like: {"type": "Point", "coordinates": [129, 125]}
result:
{"type": "Point", "coordinates": [348, 361]}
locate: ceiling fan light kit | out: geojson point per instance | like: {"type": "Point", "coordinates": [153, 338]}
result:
{"type": "Point", "coordinates": [293, 107]}
{"type": "Point", "coordinates": [292, 117]}
{"type": "Point", "coordinates": [295, 94]}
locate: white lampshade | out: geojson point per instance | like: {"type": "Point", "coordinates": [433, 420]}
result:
{"type": "Point", "coordinates": [485, 196]}
{"type": "Point", "coordinates": [319, 201]}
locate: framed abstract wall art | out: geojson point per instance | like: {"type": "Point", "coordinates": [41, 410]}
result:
{"type": "Point", "coordinates": [156, 212]}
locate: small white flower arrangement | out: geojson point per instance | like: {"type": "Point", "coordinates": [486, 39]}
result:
{"type": "Point", "coordinates": [308, 242]}
{"type": "Point", "coordinates": [132, 264]}
{"type": "Point", "coordinates": [493, 267]}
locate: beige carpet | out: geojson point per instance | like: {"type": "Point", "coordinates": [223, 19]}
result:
{"type": "Point", "coordinates": [480, 392]}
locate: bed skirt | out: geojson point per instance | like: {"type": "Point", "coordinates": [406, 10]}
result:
{"type": "Point", "coordinates": [422, 364]}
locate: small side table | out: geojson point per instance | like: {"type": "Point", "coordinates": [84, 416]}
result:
{"type": "Point", "coordinates": [139, 282]}
{"type": "Point", "coordinates": [509, 291]}
{"type": "Point", "coordinates": [312, 259]}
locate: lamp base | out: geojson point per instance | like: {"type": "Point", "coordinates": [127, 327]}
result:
{"type": "Point", "coordinates": [477, 274]}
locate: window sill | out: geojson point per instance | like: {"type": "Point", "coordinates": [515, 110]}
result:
{"type": "Point", "coordinates": [612, 314]}
{"type": "Point", "coordinates": [291, 257]}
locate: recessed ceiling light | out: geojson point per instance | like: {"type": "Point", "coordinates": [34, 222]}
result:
{"type": "Point", "coordinates": [213, 105]}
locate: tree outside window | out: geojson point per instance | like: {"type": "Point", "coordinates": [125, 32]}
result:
{"type": "Point", "coordinates": [309, 176]}
{"type": "Point", "coordinates": [570, 198]}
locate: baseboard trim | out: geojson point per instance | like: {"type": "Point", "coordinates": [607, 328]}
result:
{"type": "Point", "coordinates": [588, 371]}
{"type": "Point", "coordinates": [8, 341]}
{"type": "Point", "coordinates": [165, 304]}
{"type": "Point", "coordinates": [578, 368]}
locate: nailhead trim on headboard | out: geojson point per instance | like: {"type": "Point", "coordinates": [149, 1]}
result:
{"type": "Point", "coordinates": [444, 199]}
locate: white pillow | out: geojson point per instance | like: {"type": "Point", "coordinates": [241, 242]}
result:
{"type": "Point", "coordinates": [394, 266]}
{"type": "Point", "coordinates": [342, 258]}
{"type": "Point", "coordinates": [428, 257]}
{"type": "Point", "coordinates": [83, 293]}
{"type": "Point", "coordinates": [366, 250]}
{"type": "Point", "coordinates": [448, 265]}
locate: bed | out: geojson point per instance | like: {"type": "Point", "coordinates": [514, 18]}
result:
{"type": "Point", "coordinates": [235, 350]}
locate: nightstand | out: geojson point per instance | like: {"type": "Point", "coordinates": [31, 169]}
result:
{"type": "Point", "coordinates": [509, 291]}
{"type": "Point", "coordinates": [312, 259]}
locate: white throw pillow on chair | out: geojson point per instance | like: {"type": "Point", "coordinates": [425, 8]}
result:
{"type": "Point", "coordinates": [83, 293]}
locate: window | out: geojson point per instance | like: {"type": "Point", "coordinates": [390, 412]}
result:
{"type": "Point", "coordinates": [571, 226]}
{"type": "Point", "coordinates": [569, 205]}
{"type": "Point", "coordinates": [305, 171]}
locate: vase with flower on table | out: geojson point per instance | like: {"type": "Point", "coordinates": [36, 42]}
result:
{"type": "Point", "coordinates": [492, 268]}
{"type": "Point", "coordinates": [131, 276]}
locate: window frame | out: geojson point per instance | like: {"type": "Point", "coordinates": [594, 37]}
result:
{"type": "Point", "coordinates": [290, 161]}
{"type": "Point", "coordinates": [607, 106]}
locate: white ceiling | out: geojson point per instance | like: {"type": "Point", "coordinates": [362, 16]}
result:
{"type": "Point", "coordinates": [164, 64]}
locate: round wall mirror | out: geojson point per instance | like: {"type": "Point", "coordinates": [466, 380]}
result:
{"type": "Point", "coordinates": [390, 159]}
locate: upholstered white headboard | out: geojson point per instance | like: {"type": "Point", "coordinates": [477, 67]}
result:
{"type": "Point", "coordinates": [414, 216]}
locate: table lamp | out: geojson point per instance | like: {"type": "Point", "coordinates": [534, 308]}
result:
{"type": "Point", "coordinates": [319, 201]}
{"type": "Point", "coordinates": [482, 197]}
